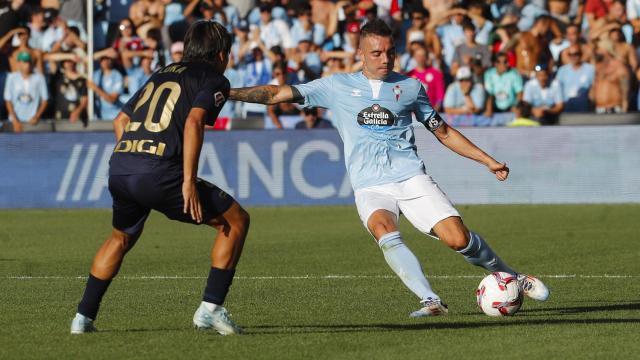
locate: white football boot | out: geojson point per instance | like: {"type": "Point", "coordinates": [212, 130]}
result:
{"type": "Point", "coordinates": [218, 320]}
{"type": "Point", "coordinates": [431, 307]}
{"type": "Point", "coordinates": [533, 287]}
{"type": "Point", "coordinates": [82, 324]}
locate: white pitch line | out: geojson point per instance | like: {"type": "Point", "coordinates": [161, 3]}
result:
{"type": "Point", "coordinates": [312, 277]}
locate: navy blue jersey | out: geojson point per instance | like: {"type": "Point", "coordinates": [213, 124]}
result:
{"type": "Point", "coordinates": [153, 139]}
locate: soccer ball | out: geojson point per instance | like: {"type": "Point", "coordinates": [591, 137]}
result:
{"type": "Point", "coordinates": [499, 294]}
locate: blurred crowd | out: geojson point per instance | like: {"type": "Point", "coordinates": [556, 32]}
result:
{"type": "Point", "coordinates": [532, 60]}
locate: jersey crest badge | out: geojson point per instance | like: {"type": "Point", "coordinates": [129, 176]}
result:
{"type": "Point", "coordinates": [356, 92]}
{"type": "Point", "coordinates": [397, 91]}
{"type": "Point", "coordinates": [219, 98]}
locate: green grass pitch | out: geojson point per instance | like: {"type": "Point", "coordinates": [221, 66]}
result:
{"type": "Point", "coordinates": [313, 285]}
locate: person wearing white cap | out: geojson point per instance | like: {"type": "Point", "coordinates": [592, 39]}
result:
{"type": "Point", "coordinates": [463, 97]}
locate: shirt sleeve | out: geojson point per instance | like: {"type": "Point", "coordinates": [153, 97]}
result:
{"type": "Point", "coordinates": [425, 113]}
{"type": "Point", "coordinates": [317, 92]}
{"type": "Point", "coordinates": [449, 97]}
{"type": "Point", "coordinates": [478, 96]}
{"type": "Point", "coordinates": [44, 94]}
{"type": "Point", "coordinates": [557, 93]}
{"type": "Point", "coordinates": [488, 86]}
{"type": "Point", "coordinates": [212, 97]}
{"type": "Point", "coordinates": [527, 96]}
{"type": "Point", "coordinates": [517, 83]}
{"type": "Point", "coordinates": [7, 87]}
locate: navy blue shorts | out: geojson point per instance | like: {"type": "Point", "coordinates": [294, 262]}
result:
{"type": "Point", "coordinates": [135, 195]}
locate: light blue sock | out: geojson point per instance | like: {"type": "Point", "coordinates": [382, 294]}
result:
{"type": "Point", "coordinates": [402, 261]}
{"type": "Point", "coordinates": [480, 254]}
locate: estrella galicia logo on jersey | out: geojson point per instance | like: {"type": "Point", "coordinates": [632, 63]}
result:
{"type": "Point", "coordinates": [376, 118]}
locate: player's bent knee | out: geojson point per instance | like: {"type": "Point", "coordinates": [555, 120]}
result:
{"type": "Point", "coordinates": [457, 240]}
{"type": "Point", "coordinates": [380, 223]}
{"type": "Point", "coordinates": [239, 218]}
{"type": "Point", "coordinates": [122, 239]}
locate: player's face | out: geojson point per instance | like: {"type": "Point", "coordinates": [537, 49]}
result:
{"type": "Point", "coordinates": [378, 54]}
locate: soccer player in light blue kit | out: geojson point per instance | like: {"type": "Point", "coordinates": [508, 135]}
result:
{"type": "Point", "coordinates": [373, 113]}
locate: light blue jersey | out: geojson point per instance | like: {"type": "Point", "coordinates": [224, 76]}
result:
{"type": "Point", "coordinates": [374, 119]}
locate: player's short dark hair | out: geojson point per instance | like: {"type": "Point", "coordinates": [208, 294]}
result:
{"type": "Point", "coordinates": [205, 40]}
{"type": "Point", "coordinates": [376, 27]}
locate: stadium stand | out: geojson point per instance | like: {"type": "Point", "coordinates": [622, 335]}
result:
{"type": "Point", "coordinates": [572, 62]}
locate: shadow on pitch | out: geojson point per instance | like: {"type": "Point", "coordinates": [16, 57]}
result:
{"type": "Point", "coordinates": [314, 329]}
{"type": "Point", "coordinates": [584, 309]}
{"type": "Point", "coordinates": [573, 310]}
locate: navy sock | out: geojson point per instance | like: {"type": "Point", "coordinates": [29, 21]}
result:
{"type": "Point", "coordinates": [218, 285]}
{"type": "Point", "coordinates": [92, 297]}
{"type": "Point", "coordinates": [480, 254]}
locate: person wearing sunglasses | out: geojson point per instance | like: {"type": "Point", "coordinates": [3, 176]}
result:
{"type": "Point", "coordinates": [503, 85]}
{"type": "Point", "coordinates": [575, 79]}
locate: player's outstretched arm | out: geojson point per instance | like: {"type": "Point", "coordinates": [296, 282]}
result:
{"type": "Point", "coordinates": [193, 138]}
{"type": "Point", "coordinates": [266, 94]}
{"type": "Point", "coordinates": [457, 142]}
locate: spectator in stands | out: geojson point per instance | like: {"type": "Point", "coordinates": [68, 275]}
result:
{"type": "Point", "coordinates": [25, 93]}
{"type": "Point", "coordinates": [610, 90]}
{"type": "Point", "coordinates": [575, 79]}
{"type": "Point", "coordinates": [544, 96]}
{"type": "Point", "coordinates": [137, 75]}
{"type": "Point", "coordinates": [449, 29]}
{"type": "Point", "coordinates": [522, 114]}
{"type": "Point", "coordinates": [566, 11]}
{"type": "Point", "coordinates": [127, 38]}
{"type": "Point", "coordinates": [147, 11]}
{"type": "Point", "coordinates": [257, 71]}
{"type": "Point", "coordinates": [37, 27]}
{"type": "Point", "coordinates": [529, 13]}
{"type": "Point", "coordinates": [469, 52]}
{"type": "Point", "coordinates": [274, 31]}
{"type": "Point", "coordinates": [419, 31]}
{"type": "Point", "coordinates": [229, 16]}
{"type": "Point", "coordinates": [311, 120]}
{"type": "Point", "coordinates": [464, 97]}
{"type": "Point", "coordinates": [22, 35]}
{"type": "Point", "coordinates": [575, 39]}
{"type": "Point", "coordinates": [503, 86]}
{"type": "Point", "coordinates": [415, 41]}
{"type": "Point", "coordinates": [482, 25]}
{"type": "Point", "coordinates": [177, 49]}
{"type": "Point", "coordinates": [277, 12]}
{"type": "Point", "coordinates": [10, 13]}
{"type": "Point", "coordinates": [108, 85]}
{"type": "Point", "coordinates": [633, 14]}
{"type": "Point", "coordinates": [505, 36]}
{"type": "Point", "coordinates": [303, 28]}
{"type": "Point", "coordinates": [70, 93]}
{"type": "Point", "coordinates": [624, 51]}
{"type": "Point", "coordinates": [602, 13]}
{"type": "Point", "coordinates": [283, 115]}
{"type": "Point", "coordinates": [56, 29]}
{"type": "Point", "coordinates": [533, 47]}
{"type": "Point", "coordinates": [305, 61]}
{"type": "Point", "coordinates": [432, 78]}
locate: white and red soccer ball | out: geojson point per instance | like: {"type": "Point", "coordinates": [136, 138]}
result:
{"type": "Point", "coordinates": [499, 294]}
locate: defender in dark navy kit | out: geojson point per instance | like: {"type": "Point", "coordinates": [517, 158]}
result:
{"type": "Point", "coordinates": [159, 135]}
